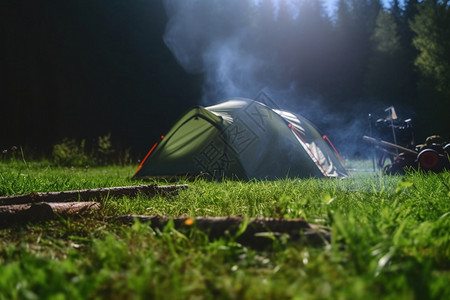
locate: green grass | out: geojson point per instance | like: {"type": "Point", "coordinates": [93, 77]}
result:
{"type": "Point", "coordinates": [390, 240]}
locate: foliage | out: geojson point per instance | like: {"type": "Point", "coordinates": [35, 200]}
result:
{"type": "Point", "coordinates": [432, 26]}
{"type": "Point", "coordinates": [389, 240]}
{"type": "Point", "coordinates": [71, 153]}
{"type": "Point", "coordinates": [384, 76]}
{"type": "Point", "coordinates": [105, 150]}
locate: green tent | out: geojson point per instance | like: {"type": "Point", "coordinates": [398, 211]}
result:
{"type": "Point", "coordinates": [242, 139]}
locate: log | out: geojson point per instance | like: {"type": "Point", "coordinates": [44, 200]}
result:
{"type": "Point", "coordinates": [44, 211]}
{"type": "Point", "coordinates": [259, 232]}
{"type": "Point", "coordinates": [90, 194]}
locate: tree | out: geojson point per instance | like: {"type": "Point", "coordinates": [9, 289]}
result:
{"type": "Point", "coordinates": [355, 24]}
{"type": "Point", "coordinates": [311, 46]}
{"type": "Point", "coordinates": [432, 27]}
{"type": "Point", "coordinates": [395, 10]}
{"type": "Point", "coordinates": [409, 52]}
{"type": "Point", "coordinates": [432, 41]}
{"type": "Point", "coordinates": [385, 65]}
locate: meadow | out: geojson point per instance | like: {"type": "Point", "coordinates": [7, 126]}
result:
{"type": "Point", "coordinates": [390, 240]}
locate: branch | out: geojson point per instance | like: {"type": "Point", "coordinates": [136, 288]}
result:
{"type": "Point", "coordinates": [90, 194]}
{"type": "Point", "coordinates": [258, 232]}
{"type": "Point", "coordinates": [41, 212]}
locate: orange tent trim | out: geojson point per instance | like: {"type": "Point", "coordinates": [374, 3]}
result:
{"type": "Point", "coordinates": [145, 158]}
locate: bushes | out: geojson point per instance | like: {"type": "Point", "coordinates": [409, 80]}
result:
{"type": "Point", "coordinates": [72, 153]}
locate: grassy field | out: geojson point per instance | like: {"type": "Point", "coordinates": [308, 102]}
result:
{"type": "Point", "coordinates": [390, 240]}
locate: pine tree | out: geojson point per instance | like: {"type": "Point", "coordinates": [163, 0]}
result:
{"type": "Point", "coordinates": [385, 74]}
{"type": "Point", "coordinates": [355, 24]}
{"type": "Point", "coordinates": [432, 27]}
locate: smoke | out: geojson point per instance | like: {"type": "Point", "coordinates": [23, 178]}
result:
{"type": "Point", "coordinates": [231, 70]}
{"type": "Point", "coordinates": [209, 37]}
{"type": "Point", "coordinates": [218, 39]}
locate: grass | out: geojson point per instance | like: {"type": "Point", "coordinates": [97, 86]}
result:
{"type": "Point", "coordinates": [390, 240]}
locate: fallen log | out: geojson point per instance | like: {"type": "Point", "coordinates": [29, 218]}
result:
{"type": "Point", "coordinates": [44, 211]}
{"type": "Point", "coordinates": [91, 194]}
{"type": "Point", "coordinates": [255, 232]}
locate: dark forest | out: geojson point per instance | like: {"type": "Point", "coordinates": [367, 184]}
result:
{"type": "Point", "coordinates": [82, 69]}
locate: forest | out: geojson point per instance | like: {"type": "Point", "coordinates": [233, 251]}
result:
{"type": "Point", "coordinates": [84, 69]}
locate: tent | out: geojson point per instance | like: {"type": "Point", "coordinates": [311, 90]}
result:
{"type": "Point", "coordinates": [242, 139]}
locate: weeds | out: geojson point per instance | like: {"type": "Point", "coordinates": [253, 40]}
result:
{"type": "Point", "coordinates": [73, 153]}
